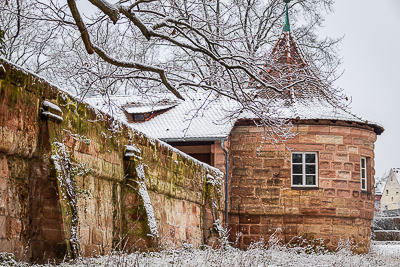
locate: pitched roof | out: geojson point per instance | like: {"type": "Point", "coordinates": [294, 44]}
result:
{"type": "Point", "coordinates": [287, 52]}
{"type": "Point", "coordinates": [380, 186]}
{"type": "Point", "coordinates": [199, 117]}
{"type": "Point", "coordinates": [134, 108]}
{"type": "Point", "coordinates": [203, 117]}
{"type": "Point", "coordinates": [287, 69]}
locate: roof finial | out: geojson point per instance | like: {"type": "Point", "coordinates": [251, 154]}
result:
{"type": "Point", "coordinates": [286, 28]}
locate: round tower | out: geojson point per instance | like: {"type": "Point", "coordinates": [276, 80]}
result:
{"type": "Point", "coordinates": [317, 185]}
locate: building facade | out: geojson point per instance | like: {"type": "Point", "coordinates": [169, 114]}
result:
{"type": "Point", "coordinates": [390, 195]}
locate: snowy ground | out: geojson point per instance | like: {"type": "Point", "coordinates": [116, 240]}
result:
{"type": "Point", "coordinates": [382, 254]}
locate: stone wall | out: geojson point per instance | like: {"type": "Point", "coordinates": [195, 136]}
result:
{"type": "Point", "coordinates": [262, 199]}
{"type": "Point", "coordinates": [386, 228]}
{"type": "Point", "coordinates": [37, 211]}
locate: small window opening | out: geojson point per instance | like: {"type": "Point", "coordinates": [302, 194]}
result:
{"type": "Point", "coordinates": [363, 173]}
{"type": "Point", "coordinates": [138, 117]}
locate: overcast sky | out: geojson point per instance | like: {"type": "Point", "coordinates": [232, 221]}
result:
{"type": "Point", "coordinates": [371, 55]}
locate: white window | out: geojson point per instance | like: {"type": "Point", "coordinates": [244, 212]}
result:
{"type": "Point", "coordinates": [387, 192]}
{"type": "Point", "coordinates": [363, 173]}
{"type": "Point", "coordinates": [304, 169]}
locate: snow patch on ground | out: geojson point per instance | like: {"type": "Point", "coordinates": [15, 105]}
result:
{"type": "Point", "coordinates": [381, 254]}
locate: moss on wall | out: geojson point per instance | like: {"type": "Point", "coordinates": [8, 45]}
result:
{"type": "Point", "coordinates": [110, 210]}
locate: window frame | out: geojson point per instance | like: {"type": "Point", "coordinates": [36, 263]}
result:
{"type": "Point", "coordinates": [365, 171]}
{"type": "Point", "coordinates": [316, 163]}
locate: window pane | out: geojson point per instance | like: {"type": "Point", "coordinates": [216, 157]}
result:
{"type": "Point", "coordinates": [363, 174]}
{"type": "Point", "coordinates": [139, 117]}
{"type": "Point", "coordinates": [310, 169]}
{"type": "Point", "coordinates": [297, 180]}
{"type": "Point", "coordinates": [363, 184]}
{"type": "Point", "coordinates": [310, 158]}
{"type": "Point", "coordinates": [297, 158]}
{"type": "Point", "coordinates": [310, 180]}
{"type": "Point", "coordinates": [362, 163]}
{"type": "Point", "coordinates": [297, 169]}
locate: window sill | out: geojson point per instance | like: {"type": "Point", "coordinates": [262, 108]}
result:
{"type": "Point", "coordinates": [304, 188]}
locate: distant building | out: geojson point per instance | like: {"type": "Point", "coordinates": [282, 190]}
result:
{"type": "Point", "coordinates": [390, 194]}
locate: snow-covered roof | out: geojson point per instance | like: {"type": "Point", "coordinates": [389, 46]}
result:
{"type": "Point", "coordinates": [151, 105]}
{"type": "Point", "coordinates": [197, 118]}
{"type": "Point", "coordinates": [202, 117]}
{"type": "Point", "coordinates": [139, 108]}
{"type": "Point", "coordinates": [318, 109]}
{"type": "Point", "coordinates": [380, 186]}
{"type": "Point", "coordinates": [208, 116]}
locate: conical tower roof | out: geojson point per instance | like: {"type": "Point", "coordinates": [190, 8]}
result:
{"type": "Point", "coordinates": [286, 51]}
{"type": "Point", "coordinates": [305, 96]}
{"type": "Point", "coordinates": [287, 70]}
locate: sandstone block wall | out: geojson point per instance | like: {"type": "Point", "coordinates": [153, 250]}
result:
{"type": "Point", "coordinates": [36, 218]}
{"type": "Point", "coordinates": [263, 200]}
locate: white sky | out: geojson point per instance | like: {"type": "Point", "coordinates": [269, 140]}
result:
{"type": "Point", "coordinates": [371, 55]}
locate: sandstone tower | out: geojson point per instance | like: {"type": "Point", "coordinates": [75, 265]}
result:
{"type": "Point", "coordinates": [323, 186]}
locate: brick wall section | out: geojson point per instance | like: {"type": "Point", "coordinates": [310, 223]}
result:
{"type": "Point", "coordinates": [262, 199]}
{"type": "Point", "coordinates": [34, 219]}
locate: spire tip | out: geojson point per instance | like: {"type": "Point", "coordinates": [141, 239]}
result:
{"type": "Point", "coordinates": [286, 28]}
